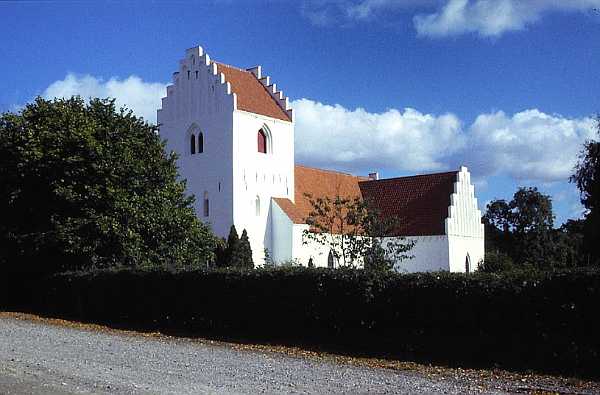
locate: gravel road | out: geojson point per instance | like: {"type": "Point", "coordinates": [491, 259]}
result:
{"type": "Point", "coordinates": [39, 358]}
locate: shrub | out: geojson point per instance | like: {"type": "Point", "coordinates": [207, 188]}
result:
{"type": "Point", "coordinates": [545, 321]}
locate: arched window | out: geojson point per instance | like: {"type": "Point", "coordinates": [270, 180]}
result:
{"type": "Point", "coordinates": [330, 260]}
{"type": "Point", "coordinates": [262, 141]}
{"type": "Point", "coordinates": [468, 264]}
{"type": "Point", "coordinates": [193, 144]}
{"type": "Point", "coordinates": [200, 142]}
{"type": "Point", "coordinates": [206, 208]}
{"type": "Point", "coordinates": [257, 205]}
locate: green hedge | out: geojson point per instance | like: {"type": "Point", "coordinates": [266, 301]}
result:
{"type": "Point", "coordinates": [539, 321]}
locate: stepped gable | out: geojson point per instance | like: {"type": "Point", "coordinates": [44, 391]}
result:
{"type": "Point", "coordinates": [252, 95]}
{"type": "Point", "coordinates": [419, 202]}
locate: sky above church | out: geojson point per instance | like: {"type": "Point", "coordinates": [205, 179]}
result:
{"type": "Point", "coordinates": [509, 88]}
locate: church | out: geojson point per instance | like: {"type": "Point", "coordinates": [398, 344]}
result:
{"type": "Point", "coordinates": [233, 130]}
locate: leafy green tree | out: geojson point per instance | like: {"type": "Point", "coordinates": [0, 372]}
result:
{"type": "Point", "coordinates": [87, 186]}
{"type": "Point", "coordinates": [520, 234]}
{"type": "Point", "coordinates": [355, 231]}
{"type": "Point", "coordinates": [587, 179]}
{"type": "Point", "coordinates": [496, 262]}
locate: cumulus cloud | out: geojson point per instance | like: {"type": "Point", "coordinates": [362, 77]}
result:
{"type": "Point", "coordinates": [491, 18]}
{"type": "Point", "coordinates": [406, 139]}
{"type": "Point", "coordinates": [143, 98]}
{"type": "Point", "coordinates": [529, 145]}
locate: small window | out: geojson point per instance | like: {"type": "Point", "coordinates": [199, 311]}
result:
{"type": "Point", "coordinates": [196, 74]}
{"type": "Point", "coordinates": [257, 205]}
{"type": "Point", "coordinates": [468, 264]}
{"type": "Point", "coordinates": [219, 186]}
{"type": "Point", "coordinates": [193, 144]}
{"type": "Point", "coordinates": [206, 206]}
{"type": "Point", "coordinates": [262, 141]}
{"type": "Point", "coordinates": [200, 142]}
{"type": "Point", "coordinates": [189, 74]}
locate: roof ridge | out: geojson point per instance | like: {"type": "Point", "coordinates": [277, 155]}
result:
{"type": "Point", "coordinates": [327, 170]}
{"type": "Point", "coordinates": [230, 66]}
{"type": "Point", "coordinates": [415, 176]}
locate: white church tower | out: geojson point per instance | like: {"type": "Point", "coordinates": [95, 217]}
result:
{"type": "Point", "coordinates": [234, 134]}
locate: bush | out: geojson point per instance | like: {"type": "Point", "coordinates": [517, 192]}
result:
{"type": "Point", "coordinates": [86, 185]}
{"type": "Point", "coordinates": [522, 320]}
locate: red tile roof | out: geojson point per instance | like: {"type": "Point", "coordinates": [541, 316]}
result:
{"type": "Point", "coordinates": [252, 95]}
{"type": "Point", "coordinates": [419, 202]}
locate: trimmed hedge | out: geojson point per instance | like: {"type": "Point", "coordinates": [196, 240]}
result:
{"type": "Point", "coordinates": [526, 321]}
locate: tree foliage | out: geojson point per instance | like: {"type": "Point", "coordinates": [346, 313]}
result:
{"type": "Point", "coordinates": [355, 233]}
{"type": "Point", "coordinates": [87, 186]}
{"type": "Point", "coordinates": [587, 179]}
{"type": "Point", "coordinates": [520, 234]}
{"type": "Point", "coordinates": [236, 251]}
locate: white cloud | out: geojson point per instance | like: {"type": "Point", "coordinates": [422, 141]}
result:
{"type": "Point", "coordinates": [141, 97]}
{"type": "Point", "coordinates": [529, 145]}
{"type": "Point", "coordinates": [491, 18]}
{"type": "Point", "coordinates": [356, 139]}
{"type": "Point", "coordinates": [368, 8]}
{"type": "Point", "coordinates": [442, 18]}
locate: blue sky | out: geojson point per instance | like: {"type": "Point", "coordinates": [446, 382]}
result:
{"type": "Point", "coordinates": [507, 87]}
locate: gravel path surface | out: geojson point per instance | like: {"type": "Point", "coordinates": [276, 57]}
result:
{"type": "Point", "coordinates": [39, 358]}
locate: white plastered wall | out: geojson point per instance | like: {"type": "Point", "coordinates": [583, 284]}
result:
{"type": "Point", "coordinates": [260, 175]}
{"type": "Point", "coordinates": [429, 254]}
{"type": "Point", "coordinates": [282, 233]}
{"type": "Point", "coordinates": [200, 99]}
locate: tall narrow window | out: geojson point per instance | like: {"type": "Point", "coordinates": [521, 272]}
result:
{"type": "Point", "coordinates": [200, 142]}
{"type": "Point", "coordinates": [262, 141]}
{"type": "Point", "coordinates": [257, 206]}
{"type": "Point", "coordinates": [468, 264]}
{"type": "Point", "coordinates": [193, 144]}
{"type": "Point", "coordinates": [206, 207]}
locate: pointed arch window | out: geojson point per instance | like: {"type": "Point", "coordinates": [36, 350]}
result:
{"type": "Point", "coordinates": [192, 144]}
{"type": "Point", "coordinates": [257, 206]}
{"type": "Point", "coordinates": [468, 264]}
{"type": "Point", "coordinates": [200, 142]}
{"type": "Point", "coordinates": [262, 141]}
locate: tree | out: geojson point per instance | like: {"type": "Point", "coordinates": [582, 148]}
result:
{"type": "Point", "coordinates": [245, 251]}
{"type": "Point", "coordinates": [238, 252]}
{"type": "Point", "coordinates": [520, 234]}
{"type": "Point", "coordinates": [355, 231]}
{"type": "Point", "coordinates": [587, 179]}
{"type": "Point", "coordinates": [232, 257]}
{"type": "Point", "coordinates": [87, 186]}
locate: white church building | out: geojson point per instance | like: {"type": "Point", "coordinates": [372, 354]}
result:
{"type": "Point", "coordinates": [233, 130]}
